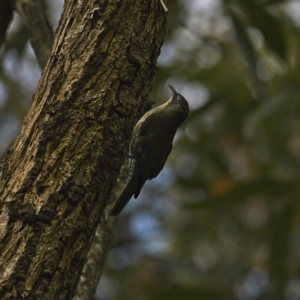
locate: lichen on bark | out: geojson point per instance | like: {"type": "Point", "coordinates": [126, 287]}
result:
{"type": "Point", "coordinates": [56, 179]}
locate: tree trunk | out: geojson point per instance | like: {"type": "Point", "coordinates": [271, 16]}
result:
{"type": "Point", "coordinates": [57, 178]}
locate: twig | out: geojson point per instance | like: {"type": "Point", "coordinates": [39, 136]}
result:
{"type": "Point", "coordinates": [164, 5]}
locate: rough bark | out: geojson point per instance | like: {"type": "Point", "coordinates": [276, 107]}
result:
{"type": "Point", "coordinates": [103, 240]}
{"type": "Point", "coordinates": [6, 12]}
{"type": "Point", "coordinates": [56, 180]}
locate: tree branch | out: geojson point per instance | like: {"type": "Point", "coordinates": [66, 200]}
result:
{"type": "Point", "coordinates": [103, 241]}
{"type": "Point", "coordinates": [6, 12]}
{"type": "Point", "coordinates": [41, 33]}
{"type": "Point", "coordinates": [93, 268]}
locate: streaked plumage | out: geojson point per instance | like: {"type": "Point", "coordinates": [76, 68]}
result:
{"type": "Point", "coordinates": [151, 144]}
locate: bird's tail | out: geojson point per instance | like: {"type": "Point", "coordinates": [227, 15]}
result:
{"type": "Point", "coordinates": [139, 184]}
{"type": "Point", "coordinates": [125, 196]}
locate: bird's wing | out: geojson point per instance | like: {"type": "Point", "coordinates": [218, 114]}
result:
{"type": "Point", "coordinates": [151, 154]}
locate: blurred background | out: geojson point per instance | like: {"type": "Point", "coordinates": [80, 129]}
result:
{"type": "Point", "coordinates": [222, 220]}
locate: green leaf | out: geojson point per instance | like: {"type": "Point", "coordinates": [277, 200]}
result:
{"type": "Point", "coordinates": [244, 41]}
{"type": "Point", "coordinates": [246, 47]}
{"type": "Point", "coordinates": [270, 27]}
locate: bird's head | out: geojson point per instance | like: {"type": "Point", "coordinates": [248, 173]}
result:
{"type": "Point", "coordinates": [178, 100]}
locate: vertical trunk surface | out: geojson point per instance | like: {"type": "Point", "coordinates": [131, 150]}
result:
{"type": "Point", "coordinates": [56, 179]}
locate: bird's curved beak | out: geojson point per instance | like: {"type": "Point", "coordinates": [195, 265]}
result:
{"type": "Point", "coordinates": [173, 90]}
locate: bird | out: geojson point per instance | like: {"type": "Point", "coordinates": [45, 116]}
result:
{"type": "Point", "coordinates": [150, 145]}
